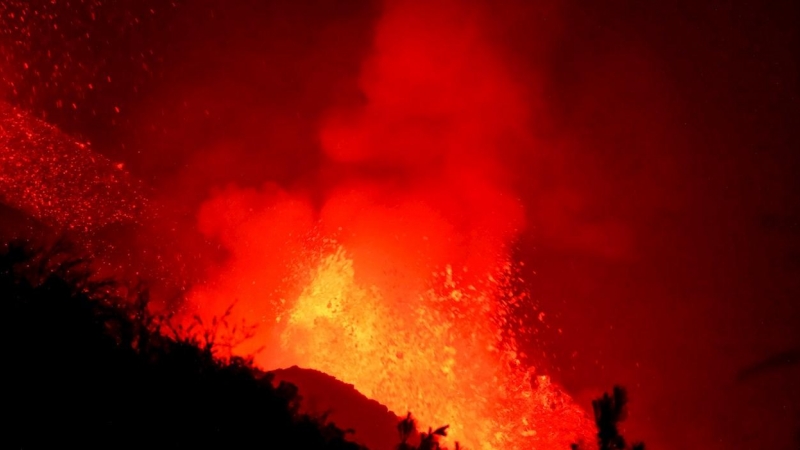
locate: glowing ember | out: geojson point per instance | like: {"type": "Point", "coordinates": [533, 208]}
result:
{"type": "Point", "coordinates": [58, 180]}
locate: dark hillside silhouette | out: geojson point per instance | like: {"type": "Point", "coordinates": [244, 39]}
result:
{"type": "Point", "coordinates": [85, 374]}
{"type": "Point", "coordinates": [374, 424]}
{"type": "Point", "coordinates": [84, 369]}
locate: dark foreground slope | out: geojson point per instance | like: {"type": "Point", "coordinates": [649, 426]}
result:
{"type": "Point", "coordinates": [374, 424]}
{"type": "Point", "coordinates": [80, 370]}
{"type": "Point", "coordinates": [81, 373]}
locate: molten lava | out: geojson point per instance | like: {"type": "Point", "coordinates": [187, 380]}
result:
{"type": "Point", "coordinates": [365, 308]}
{"type": "Point", "coordinates": [392, 270]}
{"type": "Point", "coordinates": [440, 353]}
{"type": "Point", "coordinates": [401, 283]}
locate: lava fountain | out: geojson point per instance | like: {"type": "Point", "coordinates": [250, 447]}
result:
{"type": "Point", "coordinates": [400, 281]}
{"type": "Point", "coordinates": [393, 272]}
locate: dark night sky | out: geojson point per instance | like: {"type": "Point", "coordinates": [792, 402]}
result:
{"type": "Point", "coordinates": [661, 197]}
{"type": "Point", "coordinates": [696, 128]}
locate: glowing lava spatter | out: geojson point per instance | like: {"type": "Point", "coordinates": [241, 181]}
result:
{"type": "Point", "coordinates": [406, 293]}
{"type": "Point", "coordinates": [60, 181]}
{"type": "Point", "coordinates": [440, 354]}
{"type": "Point", "coordinates": [375, 304]}
{"type": "Point", "coordinates": [404, 290]}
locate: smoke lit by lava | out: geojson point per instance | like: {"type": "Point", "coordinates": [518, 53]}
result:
{"type": "Point", "coordinates": [398, 276]}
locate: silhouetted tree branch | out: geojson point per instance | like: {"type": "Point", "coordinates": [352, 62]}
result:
{"type": "Point", "coordinates": [407, 429]}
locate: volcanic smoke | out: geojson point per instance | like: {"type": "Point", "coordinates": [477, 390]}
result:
{"type": "Point", "coordinates": [395, 274]}
{"type": "Point", "coordinates": [359, 183]}
{"type": "Point", "coordinates": [402, 282]}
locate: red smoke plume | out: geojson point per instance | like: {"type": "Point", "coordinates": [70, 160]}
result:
{"type": "Point", "coordinates": [401, 281]}
{"type": "Point", "coordinates": [652, 145]}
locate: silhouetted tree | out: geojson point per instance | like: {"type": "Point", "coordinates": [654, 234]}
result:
{"type": "Point", "coordinates": [609, 411]}
{"type": "Point", "coordinates": [407, 429]}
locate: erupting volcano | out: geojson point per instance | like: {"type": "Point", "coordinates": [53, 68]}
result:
{"type": "Point", "coordinates": [478, 212]}
{"type": "Point", "coordinates": [399, 278]}
{"type": "Point", "coordinates": [402, 283]}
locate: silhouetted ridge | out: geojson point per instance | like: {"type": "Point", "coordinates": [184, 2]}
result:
{"type": "Point", "coordinates": [374, 424]}
{"type": "Point", "coordinates": [84, 369]}
{"type": "Point", "coordinates": [82, 373]}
